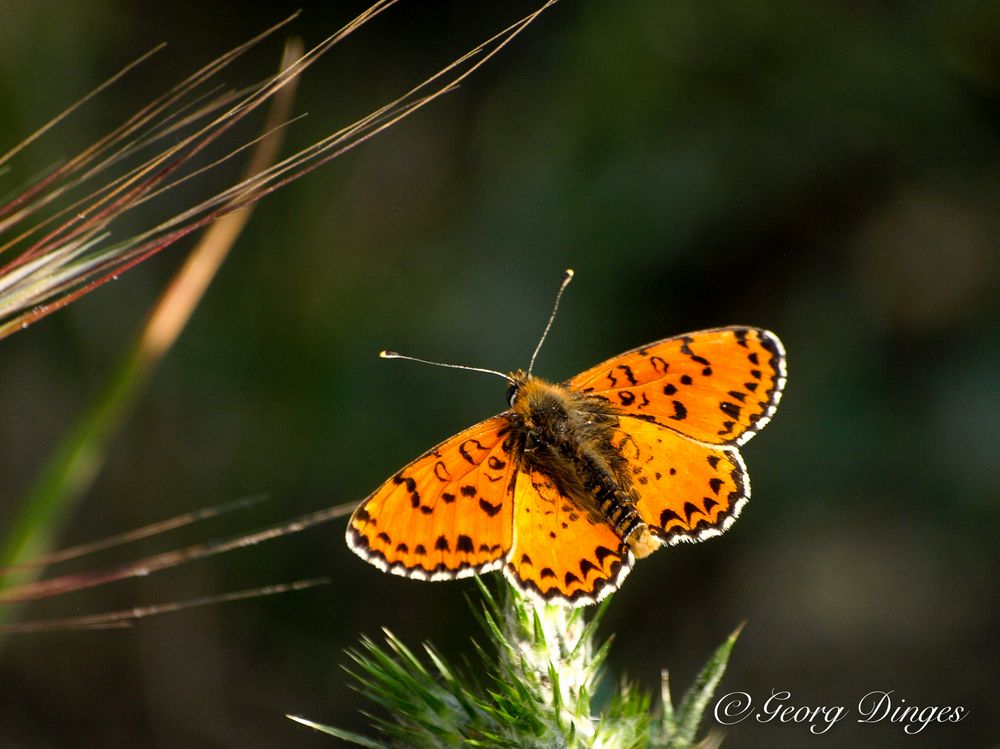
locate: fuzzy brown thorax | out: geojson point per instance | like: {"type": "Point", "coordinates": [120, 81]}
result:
{"type": "Point", "coordinates": [568, 437]}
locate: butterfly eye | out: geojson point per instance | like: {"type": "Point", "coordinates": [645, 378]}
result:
{"type": "Point", "coordinates": [512, 394]}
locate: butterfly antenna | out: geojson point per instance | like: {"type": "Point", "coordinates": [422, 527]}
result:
{"type": "Point", "coordinates": [394, 355]}
{"type": "Point", "coordinates": [567, 277]}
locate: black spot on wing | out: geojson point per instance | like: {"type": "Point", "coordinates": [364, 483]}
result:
{"type": "Point", "coordinates": [411, 488]}
{"type": "Point", "coordinates": [489, 509]}
{"type": "Point", "coordinates": [441, 472]}
{"type": "Point", "coordinates": [668, 516]}
{"type": "Point", "coordinates": [627, 371]}
{"type": "Point", "coordinates": [730, 409]}
{"type": "Point", "coordinates": [602, 552]}
{"type": "Point", "coordinates": [691, 509]}
{"type": "Point", "coordinates": [463, 450]}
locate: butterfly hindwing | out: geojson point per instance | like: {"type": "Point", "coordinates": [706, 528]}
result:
{"type": "Point", "coordinates": [688, 491]}
{"type": "Point", "coordinates": [560, 552]}
{"type": "Point", "coordinates": [447, 514]}
{"type": "Point", "coordinates": [717, 386]}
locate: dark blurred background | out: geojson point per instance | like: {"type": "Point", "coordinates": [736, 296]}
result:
{"type": "Point", "coordinates": [828, 170]}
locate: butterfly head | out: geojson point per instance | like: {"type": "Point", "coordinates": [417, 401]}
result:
{"type": "Point", "coordinates": [539, 404]}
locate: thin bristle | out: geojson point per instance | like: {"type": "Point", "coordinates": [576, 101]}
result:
{"type": "Point", "coordinates": [88, 224]}
{"type": "Point", "coordinates": [167, 560]}
{"type": "Point", "coordinates": [125, 618]}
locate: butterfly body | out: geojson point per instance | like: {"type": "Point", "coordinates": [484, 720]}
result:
{"type": "Point", "coordinates": [567, 437]}
{"type": "Point", "coordinates": [574, 481]}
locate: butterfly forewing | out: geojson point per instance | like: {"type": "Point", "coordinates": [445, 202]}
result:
{"type": "Point", "coordinates": [561, 552]}
{"type": "Point", "coordinates": [717, 386]}
{"type": "Point", "coordinates": [447, 514]}
{"type": "Point", "coordinates": [688, 491]}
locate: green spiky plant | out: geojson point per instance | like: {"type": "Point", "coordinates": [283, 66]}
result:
{"type": "Point", "coordinates": [534, 685]}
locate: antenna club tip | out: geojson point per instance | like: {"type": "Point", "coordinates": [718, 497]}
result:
{"type": "Point", "coordinates": [387, 354]}
{"type": "Point", "coordinates": [568, 273]}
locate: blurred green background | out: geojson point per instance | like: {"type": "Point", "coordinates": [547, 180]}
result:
{"type": "Point", "coordinates": [828, 170]}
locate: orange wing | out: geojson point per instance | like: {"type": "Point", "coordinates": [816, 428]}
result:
{"type": "Point", "coordinates": [718, 386]}
{"type": "Point", "coordinates": [559, 551]}
{"type": "Point", "coordinates": [447, 514]}
{"type": "Point", "coordinates": [688, 491]}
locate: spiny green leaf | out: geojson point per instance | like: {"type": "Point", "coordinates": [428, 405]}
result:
{"type": "Point", "coordinates": [696, 699]}
{"type": "Point", "coordinates": [666, 701]}
{"type": "Point", "coordinates": [354, 738]}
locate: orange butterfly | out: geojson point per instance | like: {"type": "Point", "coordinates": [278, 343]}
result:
{"type": "Point", "coordinates": [572, 483]}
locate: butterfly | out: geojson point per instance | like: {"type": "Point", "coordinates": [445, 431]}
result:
{"type": "Point", "coordinates": [572, 483]}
